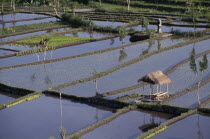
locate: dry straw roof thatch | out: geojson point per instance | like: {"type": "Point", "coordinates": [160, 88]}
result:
{"type": "Point", "coordinates": [156, 77]}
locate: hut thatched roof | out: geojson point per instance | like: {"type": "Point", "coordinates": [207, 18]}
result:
{"type": "Point", "coordinates": [156, 77]}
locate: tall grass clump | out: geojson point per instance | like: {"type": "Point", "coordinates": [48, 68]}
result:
{"type": "Point", "coordinates": [75, 21]}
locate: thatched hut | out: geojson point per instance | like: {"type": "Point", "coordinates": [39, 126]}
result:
{"type": "Point", "coordinates": [159, 79]}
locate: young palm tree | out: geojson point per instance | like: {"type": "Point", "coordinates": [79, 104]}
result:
{"type": "Point", "coordinates": [128, 3]}
{"type": "Point", "coordinates": [203, 64]}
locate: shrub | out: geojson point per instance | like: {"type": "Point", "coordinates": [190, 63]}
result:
{"type": "Point", "coordinates": [75, 21]}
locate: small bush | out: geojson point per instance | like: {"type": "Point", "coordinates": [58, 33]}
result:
{"type": "Point", "coordinates": [100, 9]}
{"type": "Point", "coordinates": [75, 21]}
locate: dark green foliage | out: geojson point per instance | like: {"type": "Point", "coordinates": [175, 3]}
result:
{"type": "Point", "coordinates": [163, 108]}
{"type": "Point", "coordinates": [83, 1]}
{"type": "Point", "coordinates": [204, 110]}
{"type": "Point", "coordinates": [188, 34]}
{"type": "Point", "coordinates": [15, 90]}
{"type": "Point", "coordinates": [91, 100]}
{"type": "Point", "coordinates": [145, 23]}
{"type": "Point", "coordinates": [193, 66]}
{"type": "Point", "coordinates": [203, 64]}
{"type": "Point", "coordinates": [75, 21]}
{"type": "Point", "coordinates": [100, 9]}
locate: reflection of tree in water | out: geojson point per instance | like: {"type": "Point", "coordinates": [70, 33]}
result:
{"type": "Point", "coordinates": [123, 55]}
{"type": "Point", "coordinates": [49, 31]}
{"type": "Point", "coordinates": [97, 119]}
{"type": "Point", "coordinates": [90, 33]}
{"type": "Point", "coordinates": [122, 38]}
{"type": "Point", "coordinates": [112, 41]}
{"type": "Point", "coordinates": [200, 134]}
{"type": "Point", "coordinates": [14, 18]}
{"type": "Point", "coordinates": [95, 81]}
{"type": "Point", "coordinates": [75, 34]}
{"type": "Point", "coordinates": [203, 65]}
{"type": "Point", "coordinates": [151, 42]}
{"type": "Point", "coordinates": [47, 78]}
{"type": "Point", "coordinates": [152, 124]}
{"type": "Point", "coordinates": [159, 44]}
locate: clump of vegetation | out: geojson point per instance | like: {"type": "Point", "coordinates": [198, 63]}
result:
{"type": "Point", "coordinates": [100, 9]}
{"type": "Point", "coordinates": [188, 34]}
{"type": "Point", "coordinates": [28, 28]}
{"type": "Point", "coordinates": [75, 21]}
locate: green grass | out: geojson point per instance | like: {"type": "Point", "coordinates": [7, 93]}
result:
{"type": "Point", "coordinates": [113, 8]}
{"type": "Point", "coordinates": [54, 40]}
{"type": "Point", "coordinates": [27, 28]}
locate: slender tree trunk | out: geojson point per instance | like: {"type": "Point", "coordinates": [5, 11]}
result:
{"type": "Point", "coordinates": [100, 2]}
{"type": "Point", "coordinates": [2, 7]}
{"type": "Point", "coordinates": [13, 5]}
{"type": "Point", "coordinates": [128, 2]}
{"type": "Point", "coordinates": [198, 96]}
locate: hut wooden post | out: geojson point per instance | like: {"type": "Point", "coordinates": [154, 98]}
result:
{"type": "Point", "coordinates": [158, 78]}
{"type": "Point", "coordinates": [160, 88]}
{"type": "Point", "coordinates": [150, 91]}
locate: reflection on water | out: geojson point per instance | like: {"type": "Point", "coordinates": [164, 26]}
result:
{"type": "Point", "coordinates": [19, 16]}
{"type": "Point", "coordinates": [128, 126]}
{"type": "Point", "coordinates": [6, 97]}
{"type": "Point", "coordinates": [28, 22]}
{"type": "Point", "coordinates": [168, 28]}
{"type": "Point", "coordinates": [193, 127]}
{"type": "Point", "coordinates": [31, 34]}
{"type": "Point", "coordinates": [42, 116]}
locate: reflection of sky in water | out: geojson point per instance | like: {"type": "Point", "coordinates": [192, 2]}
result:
{"type": "Point", "coordinates": [28, 22]}
{"type": "Point", "coordinates": [108, 23]}
{"type": "Point", "coordinates": [66, 51]}
{"type": "Point", "coordinates": [115, 58]}
{"type": "Point", "coordinates": [193, 127]}
{"type": "Point", "coordinates": [43, 115]}
{"type": "Point", "coordinates": [190, 99]}
{"type": "Point", "coordinates": [19, 16]}
{"type": "Point", "coordinates": [31, 34]}
{"type": "Point", "coordinates": [168, 28]}
{"type": "Point", "coordinates": [128, 76]}
{"type": "Point", "coordinates": [126, 126]}
{"type": "Point", "coordinates": [4, 52]}
{"type": "Point", "coordinates": [90, 34]}
{"type": "Point", "coordinates": [78, 34]}
{"type": "Point", "coordinates": [5, 98]}
{"type": "Point", "coordinates": [179, 82]}
{"type": "Point", "coordinates": [68, 70]}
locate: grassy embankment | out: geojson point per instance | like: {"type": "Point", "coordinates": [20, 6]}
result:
{"type": "Point", "coordinates": [22, 29]}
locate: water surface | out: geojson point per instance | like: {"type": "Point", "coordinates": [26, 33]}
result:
{"type": "Point", "coordinates": [43, 116]}
{"type": "Point", "coordinates": [193, 127]}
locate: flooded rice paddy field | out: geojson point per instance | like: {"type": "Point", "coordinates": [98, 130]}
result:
{"type": "Point", "coordinates": [194, 126]}
{"type": "Point", "coordinates": [74, 70]}
{"type": "Point", "coordinates": [86, 34]}
{"type": "Point", "coordinates": [28, 22]}
{"type": "Point", "coordinates": [128, 125]}
{"type": "Point", "coordinates": [44, 116]}
{"type": "Point", "coordinates": [19, 16]}
{"type": "Point", "coordinates": [168, 28]}
{"type": "Point", "coordinates": [190, 99]}
{"type": "Point", "coordinates": [66, 51]}
{"type": "Point", "coordinates": [32, 34]}
{"type": "Point", "coordinates": [5, 97]}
